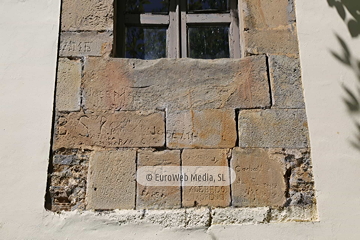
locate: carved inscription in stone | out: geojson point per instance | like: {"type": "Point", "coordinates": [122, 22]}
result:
{"type": "Point", "coordinates": [72, 48]}
{"type": "Point", "coordinates": [85, 44]}
{"type": "Point", "coordinates": [213, 128]}
{"type": "Point", "coordinates": [119, 129]}
{"type": "Point", "coordinates": [153, 197]}
{"type": "Point", "coordinates": [215, 196]}
{"type": "Point", "coordinates": [259, 178]}
{"type": "Point", "coordinates": [175, 84]}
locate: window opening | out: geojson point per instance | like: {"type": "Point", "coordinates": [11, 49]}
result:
{"type": "Point", "coordinates": [151, 29]}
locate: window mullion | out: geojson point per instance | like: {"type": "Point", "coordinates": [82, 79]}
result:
{"type": "Point", "coordinates": [234, 33]}
{"type": "Point", "coordinates": [173, 36]}
{"type": "Point", "coordinates": [183, 28]}
{"type": "Point", "coordinates": [177, 21]}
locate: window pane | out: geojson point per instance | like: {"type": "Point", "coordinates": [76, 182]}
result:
{"type": "Point", "coordinates": [147, 6]}
{"type": "Point", "coordinates": [208, 42]}
{"type": "Point", "coordinates": [145, 42]}
{"type": "Point", "coordinates": [207, 5]}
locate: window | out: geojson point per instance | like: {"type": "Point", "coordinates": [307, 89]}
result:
{"type": "Point", "coordinates": [150, 29]}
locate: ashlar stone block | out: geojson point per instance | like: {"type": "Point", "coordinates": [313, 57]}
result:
{"type": "Point", "coordinates": [175, 84]}
{"type": "Point", "coordinates": [271, 128]}
{"type": "Point", "coordinates": [158, 197]}
{"type": "Point", "coordinates": [119, 129]}
{"type": "Point", "coordinates": [68, 85]}
{"type": "Point", "coordinates": [281, 41]}
{"type": "Point", "coordinates": [85, 44]}
{"type": "Point", "coordinates": [262, 14]}
{"type": "Point", "coordinates": [87, 15]}
{"type": "Point", "coordinates": [286, 86]}
{"type": "Point", "coordinates": [213, 128]}
{"type": "Point", "coordinates": [111, 180]}
{"type": "Point", "coordinates": [214, 196]}
{"type": "Point", "coordinates": [259, 179]}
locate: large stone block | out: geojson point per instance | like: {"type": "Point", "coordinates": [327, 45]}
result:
{"type": "Point", "coordinates": [286, 86]}
{"type": "Point", "coordinates": [68, 85]}
{"type": "Point", "coordinates": [213, 128]}
{"type": "Point", "coordinates": [283, 128]}
{"type": "Point", "coordinates": [87, 15]}
{"type": "Point", "coordinates": [158, 197]}
{"type": "Point", "coordinates": [261, 14]}
{"type": "Point", "coordinates": [281, 41]}
{"type": "Point", "coordinates": [119, 129]}
{"type": "Point", "coordinates": [85, 44]}
{"type": "Point", "coordinates": [259, 179]}
{"type": "Point", "coordinates": [214, 196]}
{"type": "Point", "coordinates": [111, 181]}
{"type": "Point", "coordinates": [177, 84]}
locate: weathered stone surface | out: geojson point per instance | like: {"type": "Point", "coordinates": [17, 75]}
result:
{"type": "Point", "coordinates": [239, 215]}
{"type": "Point", "coordinates": [85, 44]}
{"type": "Point", "coordinates": [197, 217]}
{"type": "Point", "coordinates": [171, 218]}
{"type": "Point", "coordinates": [178, 84]}
{"type": "Point", "coordinates": [111, 181]}
{"type": "Point", "coordinates": [91, 15]}
{"type": "Point", "coordinates": [152, 197]}
{"type": "Point", "coordinates": [286, 86]}
{"type": "Point", "coordinates": [283, 128]}
{"type": "Point", "coordinates": [166, 218]}
{"type": "Point", "coordinates": [68, 85]}
{"type": "Point", "coordinates": [119, 129]}
{"type": "Point", "coordinates": [260, 14]}
{"type": "Point", "coordinates": [122, 217]}
{"type": "Point", "coordinates": [68, 182]}
{"type": "Point", "coordinates": [186, 218]}
{"type": "Point", "coordinates": [294, 214]}
{"type": "Point", "coordinates": [271, 41]}
{"type": "Point", "coordinates": [291, 11]}
{"type": "Point", "coordinates": [214, 196]}
{"type": "Point", "coordinates": [300, 177]}
{"type": "Point", "coordinates": [259, 179]}
{"type": "Point", "coordinates": [214, 128]}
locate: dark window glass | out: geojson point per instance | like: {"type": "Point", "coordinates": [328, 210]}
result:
{"type": "Point", "coordinates": [147, 6]}
{"type": "Point", "coordinates": [208, 42]}
{"type": "Point", "coordinates": [207, 5]}
{"type": "Point", "coordinates": [145, 42]}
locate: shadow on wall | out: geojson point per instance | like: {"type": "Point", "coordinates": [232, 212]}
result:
{"type": "Point", "coordinates": [353, 8]}
{"type": "Point", "coordinates": [349, 11]}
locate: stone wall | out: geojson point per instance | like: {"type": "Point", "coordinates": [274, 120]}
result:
{"type": "Point", "coordinates": [115, 115]}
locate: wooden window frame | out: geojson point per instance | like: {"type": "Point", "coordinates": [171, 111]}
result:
{"type": "Point", "coordinates": [177, 21]}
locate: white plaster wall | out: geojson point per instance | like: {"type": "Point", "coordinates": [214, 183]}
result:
{"type": "Point", "coordinates": [28, 42]}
